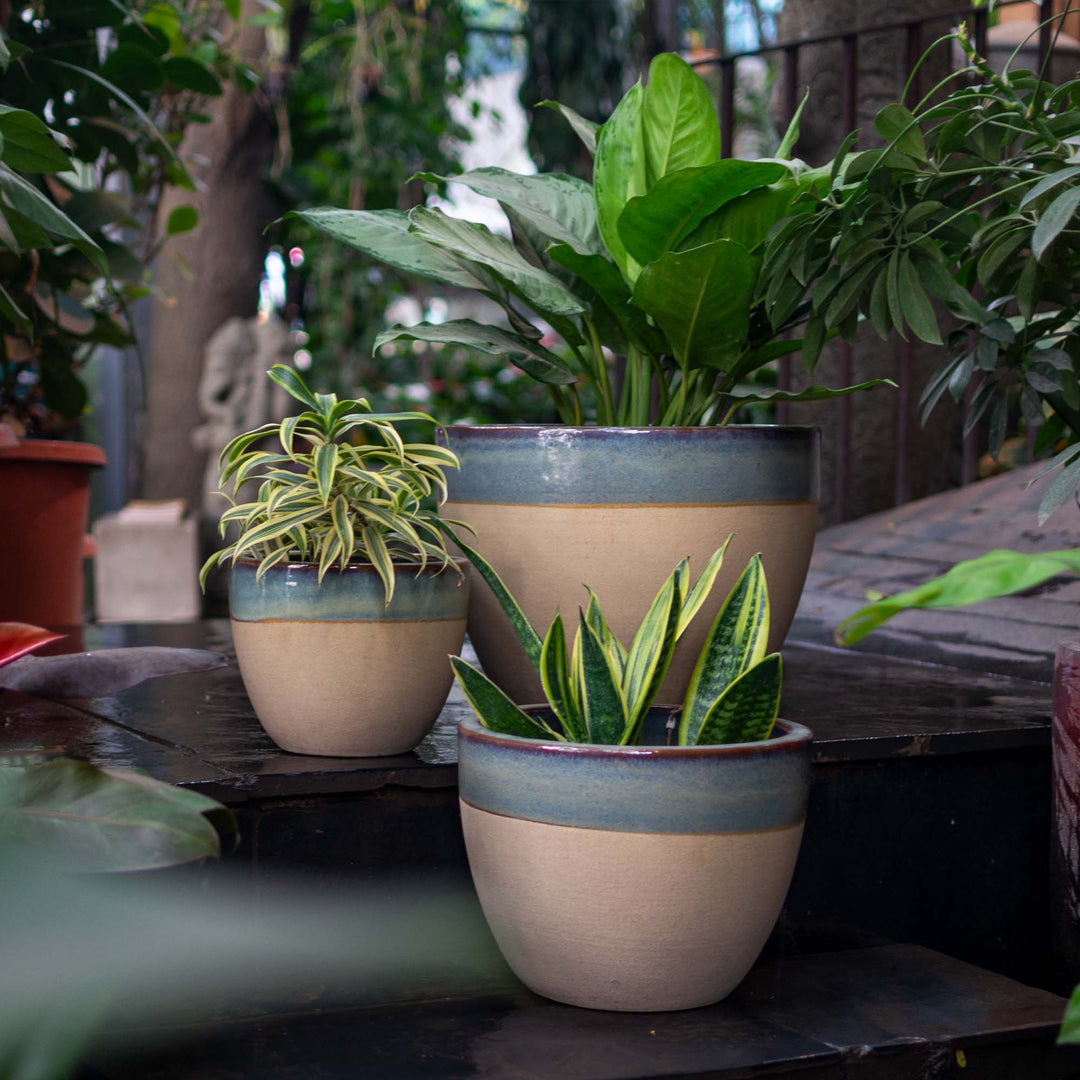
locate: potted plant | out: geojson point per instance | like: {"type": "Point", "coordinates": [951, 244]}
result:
{"type": "Point", "coordinates": [649, 280]}
{"type": "Point", "coordinates": [626, 856]}
{"type": "Point", "coordinates": [341, 607]}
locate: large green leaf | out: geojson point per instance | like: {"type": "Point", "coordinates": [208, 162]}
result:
{"type": "Point", "coordinates": [28, 144]}
{"type": "Point", "coordinates": [619, 174]}
{"type": "Point", "coordinates": [735, 643]}
{"type": "Point", "coordinates": [385, 235]}
{"type": "Point", "coordinates": [586, 130]}
{"type": "Point", "coordinates": [680, 129]}
{"type": "Point", "coordinates": [494, 709]}
{"type": "Point", "coordinates": [108, 819]}
{"type": "Point", "coordinates": [1053, 220]}
{"type": "Point", "coordinates": [997, 573]}
{"type": "Point", "coordinates": [747, 709]}
{"type": "Point", "coordinates": [603, 277]}
{"type": "Point", "coordinates": [32, 204]}
{"type": "Point", "coordinates": [1070, 1024]}
{"type": "Point", "coordinates": [674, 206]}
{"type": "Point", "coordinates": [899, 126]}
{"type": "Point", "coordinates": [561, 207]}
{"type": "Point", "coordinates": [530, 356]}
{"type": "Point", "coordinates": [478, 244]}
{"type": "Point", "coordinates": [748, 393]}
{"type": "Point", "coordinates": [701, 299]}
{"type": "Point", "coordinates": [602, 701]}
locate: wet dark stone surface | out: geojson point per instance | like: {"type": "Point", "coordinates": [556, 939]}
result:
{"type": "Point", "coordinates": [200, 730]}
{"type": "Point", "coordinates": [882, 1012]}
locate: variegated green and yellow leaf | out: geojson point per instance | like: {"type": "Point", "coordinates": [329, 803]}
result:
{"type": "Point", "coordinates": [747, 710]}
{"type": "Point", "coordinates": [651, 650]}
{"type": "Point", "coordinates": [737, 640]}
{"type": "Point", "coordinates": [493, 708]}
{"type": "Point", "coordinates": [702, 587]}
{"type": "Point", "coordinates": [555, 675]}
{"type": "Point", "coordinates": [602, 703]}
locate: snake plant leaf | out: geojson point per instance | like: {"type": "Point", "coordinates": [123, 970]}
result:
{"type": "Point", "coordinates": [560, 207]}
{"type": "Point", "coordinates": [651, 650]}
{"type": "Point", "coordinates": [701, 299]}
{"type": "Point", "coordinates": [736, 641]}
{"type": "Point", "coordinates": [702, 587]}
{"type": "Point", "coordinates": [528, 637]}
{"type": "Point", "coordinates": [619, 174]}
{"type": "Point", "coordinates": [476, 243]}
{"type": "Point", "coordinates": [674, 206]}
{"type": "Point", "coordinates": [612, 645]}
{"type": "Point", "coordinates": [586, 130]}
{"type": "Point", "coordinates": [385, 235]}
{"type": "Point", "coordinates": [603, 277]}
{"type": "Point", "coordinates": [601, 698]}
{"type": "Point", "coordinates": [495, 710]}
{"type": "Point", "coordinates": [747, 709]}
{"type": "Point", "coordinates": [536, 361]}
{"type": "Point", "coordinates": [555, 675]}
{"type": "Point", "coordinates": [679, 125]}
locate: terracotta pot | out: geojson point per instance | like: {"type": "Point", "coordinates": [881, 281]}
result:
{"type": "Point", "coordinates": [330, 670]}
{"type": "Point", "coordinates": [633, 878]}
{"type": "Point", "coordinates": [616, 508]}
{"type": "Point", "coordinates": [44, 504]}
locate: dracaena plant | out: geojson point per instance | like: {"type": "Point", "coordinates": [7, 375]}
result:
{"type": "Point", "coordinates": [655, 262]}
{"type": "Point", "coordinates": [600, 691]}
{"type": "Point", "coordinates": [326, 500]}
{"type": "Point", "coordinates": [973, 202]}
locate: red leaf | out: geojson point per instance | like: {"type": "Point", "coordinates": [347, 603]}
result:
{"type": "Point", "coordinates": [17, 639]}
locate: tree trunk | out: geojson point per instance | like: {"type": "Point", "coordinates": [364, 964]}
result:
{"type": "Point", "coordinates": [932, 456]}
{"type": "Point", "coordinates": [206, 276]}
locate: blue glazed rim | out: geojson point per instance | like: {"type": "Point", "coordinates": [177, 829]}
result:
{"type": "Point", "coordinates": [353, 594]}
{"type": "Point", "coordinates": [701, 790]}
{"type": "Point", "coordinates": [543, 465]}
{"type": "Point", "coordinates": [795, 736]}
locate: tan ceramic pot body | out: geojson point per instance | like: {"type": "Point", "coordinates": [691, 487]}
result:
{"type": "Point", "coordinates": [330, 670]}
{"type": "Point", "coordinates": [555, 509]}
{"type": "Point", "coordinates": [638, 879]}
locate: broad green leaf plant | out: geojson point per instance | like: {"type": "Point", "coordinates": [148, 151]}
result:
{"type": "Point", "coordinates": [325, 499]}
{"type": "Point", "coordinates": [973, 203]}
{"type": "Point", "coordinates": [600, 691]}
{"type": "Point", "coordinates": [656, 262]}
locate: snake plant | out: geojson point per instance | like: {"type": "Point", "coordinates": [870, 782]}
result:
{"type": "Point", "coordinates": [326, 500]}
{"type": "Point", "coordinates": [600, 692]}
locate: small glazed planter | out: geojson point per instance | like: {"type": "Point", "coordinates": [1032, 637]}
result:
{"type": "Point", "coordinates": [632, 878]}
{"type": "Point", "coordinates": [330, 670]}
{"type": "Point", "coordinates": [618, 508]}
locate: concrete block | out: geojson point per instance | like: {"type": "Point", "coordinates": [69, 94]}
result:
{"type": "Point", "coordinates": [146, 568]}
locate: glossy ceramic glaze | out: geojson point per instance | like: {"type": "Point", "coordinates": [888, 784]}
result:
{"type": "Point", "coordinates": [632, 878]}
{"type": "Point", "coordinates": [616, 508]}
{"type": "Point", "coordinates": [44, 502]}
{"type": "Point", "coordinates": [331, 670]}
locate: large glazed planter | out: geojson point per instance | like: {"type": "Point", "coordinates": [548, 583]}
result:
{"type": "Point", "coordinates": [44, 503]}
{"type": "Point", "coordinates": [555, 508]}
{"type": "Point", "coordinates": [638, 879]}
{"type": "Point", "coordinates": [330, 670]}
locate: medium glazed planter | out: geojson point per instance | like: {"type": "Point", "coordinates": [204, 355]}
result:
{"type": "Point", "coordinates": [556, 508]}
{"type": "Point", "coordinates": [44, 504]}
{"type": "Point", "coordinates": [330, 670]}
{"type": "Point", "coordinates": [632, 878]}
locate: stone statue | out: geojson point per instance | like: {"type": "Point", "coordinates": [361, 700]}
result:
{"type": "Point", "coordinates": [234, 393]}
